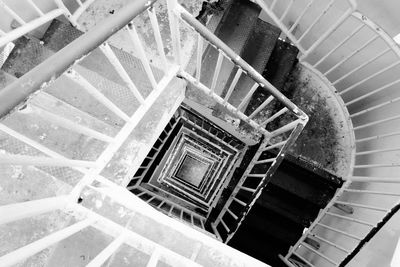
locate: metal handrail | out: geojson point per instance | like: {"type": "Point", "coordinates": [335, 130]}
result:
{"type": "Point", "coordinates": [39, 77]}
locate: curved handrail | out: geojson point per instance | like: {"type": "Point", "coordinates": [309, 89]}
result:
{"type": "Point", "coordinates": [371, 178]}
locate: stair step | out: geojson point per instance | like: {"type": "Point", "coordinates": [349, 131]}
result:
{"type": "Point", "coordinates": [277, 70]}
{"type": "Point", "coordinates": [27, 53]}
{"type": "Point", "coordinates": [234, 31]}
{"type": "Point", "coordinates": [288, 205]}
{"type": "Point", "coordinates": [25, 231]}
{"type": "Point", "coordinates": [60, 34]}
{"type": "Point", "coordinates": [257, 53]}
{"type": "Point", "coordinates": [303, 183]}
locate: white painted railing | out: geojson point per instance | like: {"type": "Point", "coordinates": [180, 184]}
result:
{"type": "Point", "coordinates": [308, 23]}
{"type": "Point", "coordinates": [55, 156]}
{"type": "Point", "coordinates": [21, 21]}
{"type": "Point", "coordinates": [362, 63]}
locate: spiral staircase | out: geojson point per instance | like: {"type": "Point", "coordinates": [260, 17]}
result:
{"type": "Point", "coordinates": [99, 138]}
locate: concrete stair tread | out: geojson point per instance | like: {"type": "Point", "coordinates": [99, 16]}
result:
{"type": "Point", "coordinates": [24, 231]}
{"type": "Point", "coordinates": [234, 31]}
{"type": "Point", "coordinates": [60, 34]}
{"type": "Point", "coordinates": [277, 70]}
{"type": "Point", "coordinates": [257, 53]}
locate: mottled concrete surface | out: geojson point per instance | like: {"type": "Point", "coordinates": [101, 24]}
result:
{"type": "Point", "coordinates": [102, 8]}
{"type": "Point", "coordinates": [326, 139]}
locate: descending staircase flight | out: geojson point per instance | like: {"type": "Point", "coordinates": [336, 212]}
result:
{"type": "Point", "coordinates": [91, 117]}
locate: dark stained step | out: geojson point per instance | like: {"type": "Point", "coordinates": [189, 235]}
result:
{"type": "Point", "coordinates": [27, 54]}
{"type": "Point", "coordinates": [234, 30]}
{"type": "Point", "coordinates": [257, 53]}
{"type": "Point", "coordinates": [288, 205]}
{"type": "Point", "coordinates": [265, 234]}
{"type": "Point", "coordinates": [277, 71]}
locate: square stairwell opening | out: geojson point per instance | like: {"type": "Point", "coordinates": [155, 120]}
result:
{"type": "Point", "coordinates": [188, 167]}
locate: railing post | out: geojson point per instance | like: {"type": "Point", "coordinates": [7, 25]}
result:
{"type": "Point", "coordinates": [172, 6]}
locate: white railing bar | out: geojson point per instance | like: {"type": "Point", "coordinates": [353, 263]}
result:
{"type": "Point", "coordinates": [218, 99]}
{"type": "Point", "coordinates": [350, 55]}
{"type": "Point", "coordinates": [349, 219]}
{"type": "Point", "coordinates": [135, 240]}
{"type": "Point", "coordinates": [202, 223]}
{"type": "Point", "coordinates": [339, 45]}
{"type": "Point", "coordinates": [372, 92]}
{"type": "Point", "coordinates": [247, 189]}
{"type": "Point", "coordinates": [35, 7]}
{"type": "Point", "coordinates": [203, 130]}
{"type": "Point", "coordinates": [285, 128]}
{"type": "Point", "coordinates": [216, 71]}
{"type": "Point", "coordinates": [367, 166]}
{"type": "Point", "coordinates": [161, 204]}
{"type": "Point", "coordinates": [154, 258]}
{"type": "Point", "coordinates": [377, 137]}
{"type": "Point", "coordinates": [261, 107]}
{"type": "Point", "coordinates": [319, 254]}
{"type": "Point", "coordinates": [286, 261]}
{"type": "Point", "coordinates": [280, 24]}
{"type": "Point", "coordinates": [225, 226]}
{"type": "Point", "coordinates": [107, 51]}
{"type": "Point", "coordinates": [70, 125]}
{"type": "Point", "coordinates": [339, 231]}
{"type": "Point", "coordinates": [30, 142]}
{"type": "Point", "coordinates": [157, 35]}
{"type": "Point", "coordinates": [375, 107]}
{"type": "Point", "coordinates": [276, 115]}
{"type": "Point", "coordinates": [22, 253]}
{"type": "Point", "coordinates": [372, 192]}
{"type": "Point", "coordinates": [248, 96]}
{"type": "Point", "coordinates": [12, 13]}
{"type": "Point", "coordinates": [75, 76]}
{"type": "Point", "coordinates": [232, 214]}
{"type": "Point", "coordinates": [141, 53]}
{"type": "Point", "coordinates": [191, 219]}
{"type": "Point", "coordinates": [303, 12]}
{"type": "Point", "coordinates": [316, 20]}
{"type": "Point", "coordinates": [166, 201]}
{"type": "Point", "coordinates": [303, 259]}
{"type": "Point", "coordinates": [44, 161]}
{"type": "Point", "coordinates": [376, 122]}
{"type": "Point", "coordinates": [26, 28]}
{"type": "Point", "coordinates": [377, 151]}
{"type": "Point", "coordinates": [214, 228]}
{"type": "Point", "coordinates": [273, 4]}
{"type": "Point", "coordinates": [282, 143]}
{"type": "Point", "coordinates": [150, 199]}
{"type": "Point", "coordinates": [239, 201]}
{"type": "Point", "coordinates": [80, 10]}
{"type": "Point", "coordinates": [361, 206]}
{"type": "Point", "coordinates": [367, 179]}
{"type": "Point", "coordinates": [286, 10]}
{"type": "Point", "coordinates": [369, 77]}
{"type": "Point", "coordinates": [330, 30]}
{"type": "Point", "coordinates": [22, 210]}
{"type": "Point", "coordinates": [233, 84]}
{"type": "Point", "coordinates": [174, 28]}
{"type": "Point", "coordinates": [124, 133]}
{"type": "Point", "coordinates": [199, 56]}
{"type": "Point", "coordinates": [265, 161]}
{"type": "Point", "coordinates": [107, 252]}
{"type": "Point", "coordinates": [141, 193]}
{"type": "Point", "coordinates": [361, 66]}
{"type": "Point", "coordinates": [170, 210]}
{"type": "Point", "coordinates": [79, 2]}
{"type": "Point", "coordinates": [330, 243]}
{"type": "Point", "coordinates": [255, 175]}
